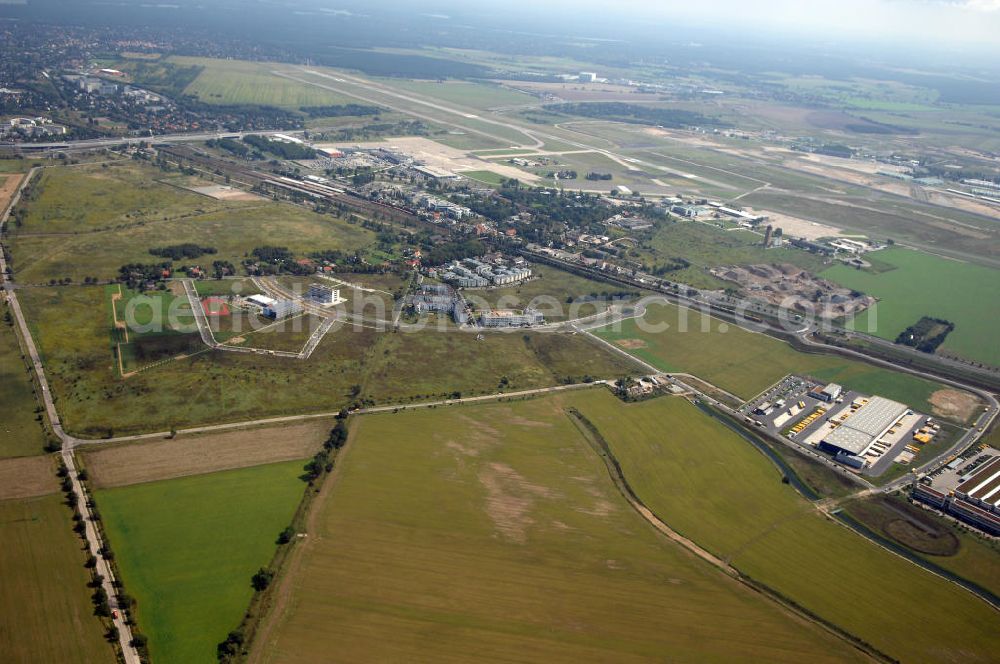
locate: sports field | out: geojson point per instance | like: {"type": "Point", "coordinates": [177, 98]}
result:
{"type": "Point", "coordinates": [745, 363]}
{"type": "Point", "coordinates": [710, 485]}
{"type": "Point", "coordinates": [242, 82]}
{"type": "Point", "coordinates": [493, 533]}
{"type": "Point", "coordinates": [187, 548]}
{"type": "Point", "coordinates": [45, 610]}
{"type": "Point", "coordinates": [918, 284]}
{"type": "Point", "coordinates": [21, 433]}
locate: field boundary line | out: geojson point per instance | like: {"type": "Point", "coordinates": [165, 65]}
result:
{"type": "Point", "coordinates": [600, 446]}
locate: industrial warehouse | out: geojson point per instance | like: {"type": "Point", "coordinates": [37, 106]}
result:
{"type": "Point", "coordinates": [967, 489]}
{"type": "Point", "coordinates": [865, 433]}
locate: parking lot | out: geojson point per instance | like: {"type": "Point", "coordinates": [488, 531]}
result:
{"type": "Point", "coordinates": [796, 409]}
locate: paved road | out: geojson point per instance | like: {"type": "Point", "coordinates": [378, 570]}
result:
{"type": "Point", "coordinates": [91, 533]}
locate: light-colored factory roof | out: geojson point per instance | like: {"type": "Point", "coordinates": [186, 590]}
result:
{"type": "Point", "coordinates": [864, 425]}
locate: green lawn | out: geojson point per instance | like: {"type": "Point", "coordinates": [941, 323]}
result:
{"type": "Point", "coordinates": [745, 363]}
{"type": "Point", "coordinates": [45, 610]}
{"type": "Point", "coordinates": [22, 433]}
{"type": "Point", "coordinates": [186, 549]}
{"type": "Point", "coordinates": [923, 285]}
{"type": "Point", "coordinates": [486, 177]}
{"type": "Point", "coordinates": [493, 533]}
{"type": "Point", "coordinates": [714, 487]}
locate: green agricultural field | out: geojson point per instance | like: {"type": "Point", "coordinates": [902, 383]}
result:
{"type": "Point", "coordinates": [45, 610]}
{"type": "Point", "coordinates": [186, 549]}
{"type": "Point", "coordinates": [918, 284]}
{"type": "Point", "coordinates": [22, 434]}
{"type": "Point", "coordinates": [550, 291]}
{"type": "Point", "coordinates": [80, 199]}
{"type": "Point", "coordinates": [968, 554]}
{"type": "Point", "coordinates": [715, 488]}
{"type": "Point", "coordinates": [706, 247]}
{"type": "Point", "coordinates": [243, 82]}
{"type": "Point", "coordinates": [493, 533]}
{"type": "Point", "coordinates": [746, 363]}
{"type": "Point", "coordinates": [233, 231]}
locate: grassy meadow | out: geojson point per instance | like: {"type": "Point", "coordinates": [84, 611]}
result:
{"type": "Point", "coordinates": [82, 199]}
{"type": "Point", "coordinates": [745, 362]}
{"type": "Point", "coordinates": [46, 613]}
{"type": "Point", "coordinates": [414, 366]}
{"type": "Point", "coordinates": [493, 533]}
{"type": "Point", "coordinates": [22, 434]}
{"type": "Point", "coordinates": [918, 284]}
{"type": "Point", "coordinates": [187, 548]}
{"type": "Point", "coordinates": [212, 386]}
{"type": "Point", "coordinates": [130, 212]}
{"type": "Point", "coordinates": [705, 247]}
{"type": "Point", "coordinates": [715, 488]}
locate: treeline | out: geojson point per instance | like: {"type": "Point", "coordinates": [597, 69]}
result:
{"type": "Point", "coordinates": [178, 251]}
{"type": "Point", "coordinates": [636, 114]}
{"type": "Point", "coordinates": [230, 145]}
{"type": "Point", "coordinates": [275, 260]}
{"type": "Point", "coordinates": [926, 334]}
{"type": "Point", "coordinates": [452, 251]}
{"type": "Point", "coordinates": [377, 130]}
{"type": "Point", "coordinates": [674, 264]}
{"type": "Point", "coordinates": [282, 149]}
{"type": "Point", "coordinates": [136, 275]}
{"type": "Point", "coordinates": [339, 111]}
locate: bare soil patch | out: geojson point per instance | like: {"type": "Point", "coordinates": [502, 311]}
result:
{"type": "Point", "coordinates": [134, 463]}
{"type": "Point", "coordinates": [510, 499]}
{"type": "Point", "coordinates": [954, 404]}
{"type": "Point", "coordinates": [226, 193]}
{"type": "Point", "coordinates": [27, 477]}
{"type": "Point", "coordinates": [8, 185]}
{"type": "Point", "coordinates": [631, 344]}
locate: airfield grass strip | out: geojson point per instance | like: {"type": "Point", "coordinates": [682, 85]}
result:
{"type": "Point", "coordinates": [600, 445]}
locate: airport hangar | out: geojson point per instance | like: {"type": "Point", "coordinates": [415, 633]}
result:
{"type": "Point", "coordinates": [863, 427]}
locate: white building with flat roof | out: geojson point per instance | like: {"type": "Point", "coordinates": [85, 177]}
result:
{"type": "Point", "coordinates": [864, 426]}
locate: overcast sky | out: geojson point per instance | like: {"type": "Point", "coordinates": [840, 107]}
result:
{"type": "Point", "coordinates": [961, 23]}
